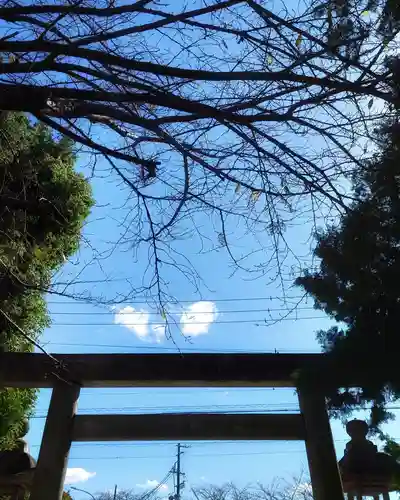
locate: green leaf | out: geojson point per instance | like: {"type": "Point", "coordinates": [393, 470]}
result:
{"type": "Point", "coordinates": [255, 195]}
{"type": "Point", "coordinates": [238, 188]}
{"type": "Point", "coordinates": [39, 253]}
{"type": "Point", "coordinates": [365, 13]}
{"type": "Point", "coordinates": [299, 40]}
{"type": "Point", "coordinates": [35, 237]}
{"type": "Point", "coordinates": [163, 314]}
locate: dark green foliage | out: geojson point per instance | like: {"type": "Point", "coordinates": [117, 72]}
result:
{"type": "Point", "coordinates": [43, 205]}
{"type": "Point", "coordinates": [358, 284]}
{"type": "Point", "coordinates": [393, 449]}
{"type": "Point", "coordinates": [349, 23]}
{"type": "Point", "coordinates": [386, 11]}
{"type": "Point", "coordinates": [390, 17]}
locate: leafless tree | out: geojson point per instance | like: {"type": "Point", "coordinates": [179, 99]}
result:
{"type": "Point", "coordinates": [251, 114]}
{"type": "Point", "coordinates": [121, 495]}
{"type": "Point", "coordinates": [296, 489]}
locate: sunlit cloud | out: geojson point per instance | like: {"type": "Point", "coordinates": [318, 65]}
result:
{"type": "Point", "coordinates": [139, 322]}
{"type": "Point", "coordinates": [136, 321]}
{"type": "Point", "coordinates": [198, 317]}
{"type": "Point", "coordinates": [195, 320]}
{"type": "Point", "coordinates": [77, 475]}
{"type": "Point", "coordinates": [151, 484]}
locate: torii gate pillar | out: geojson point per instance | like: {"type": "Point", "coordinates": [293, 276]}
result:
{"type": "Point", "coordinates": [324, 471]}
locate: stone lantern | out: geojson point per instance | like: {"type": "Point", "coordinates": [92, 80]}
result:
{"type": "Point", "coordinates": [364, 470]}
{"type": "Point", "coordinates": [16, 469]}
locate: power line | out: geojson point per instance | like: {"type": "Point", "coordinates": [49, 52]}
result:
{"type": "Point", "coordinates": [159, 485]}
{"type": "Point", "coordinates": [151, 313]}
{"type": "Point", "coordinates": [192, 455]}
{"type": "Point", "coordinates": [226, 412]}
{"type": "Point", "coordinates": [164, 444]}
{"type": "Point", "coordinates": [27, 337]}
{"type": "Point", "coordinates": [217, 322]}
{"type": "Point", "coordinates": [220, 454]}
{"type": "Point", "coordinates": [58, 366]}
{"type": "Point", "coordinates": [145, 300]}
{"type": "Point", "coordinates": [170, 444]}
{"type": "Point", "coordinates": [188, 349]}
{"type": "Point", "coordinates": [283, 404]}
{"type": "Point", "coordinates": [206, 407]}
{"type": "Point", "coordinates": [168, 391]}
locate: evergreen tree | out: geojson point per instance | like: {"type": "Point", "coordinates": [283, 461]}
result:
{"type": "Point", "coordinates": [358, 285]}
{"type": "Point", "coordinates": [43, 205]}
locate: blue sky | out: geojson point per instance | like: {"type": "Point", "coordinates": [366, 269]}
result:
{"type": "Point", "coordinates": [98, 329]}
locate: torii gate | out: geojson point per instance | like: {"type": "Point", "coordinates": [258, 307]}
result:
{"type": "Point", "coordinates": [78, 371]}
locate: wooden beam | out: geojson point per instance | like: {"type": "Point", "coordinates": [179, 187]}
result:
{"type": "Point", "coordinates": [156, 370]}
{"type": "Point", "coordinates": [48, 480]}
{"type": "Point", "coordinates": [322, 461]}
{"type": "Point", "coordinates": [187, 427]}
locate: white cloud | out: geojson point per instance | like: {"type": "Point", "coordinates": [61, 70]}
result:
{"type": "Point", "coordinates": [77, 475]}
{"type": "Point", "coordinates": [197, 318]}
{"type": "Point", "coordinates": [150, 484]}
{"type": "Point", "coordinates": [136, 321]}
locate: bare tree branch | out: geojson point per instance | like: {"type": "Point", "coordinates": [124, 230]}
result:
{"type": "Point", "coordinates": [231, 109]}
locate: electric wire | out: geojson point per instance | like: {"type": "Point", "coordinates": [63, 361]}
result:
{"type": "Point", "coordinates": [188, 349]}
{"type": "Point", "coordinates": [256, 321]}
{"type": "Point", "coordinates": [150, 313]}
{"type": "Point", "coordinates": [145, 300]}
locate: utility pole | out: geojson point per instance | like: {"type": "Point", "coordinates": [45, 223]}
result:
{"type": "Point", "coordinates": [178, 472]}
